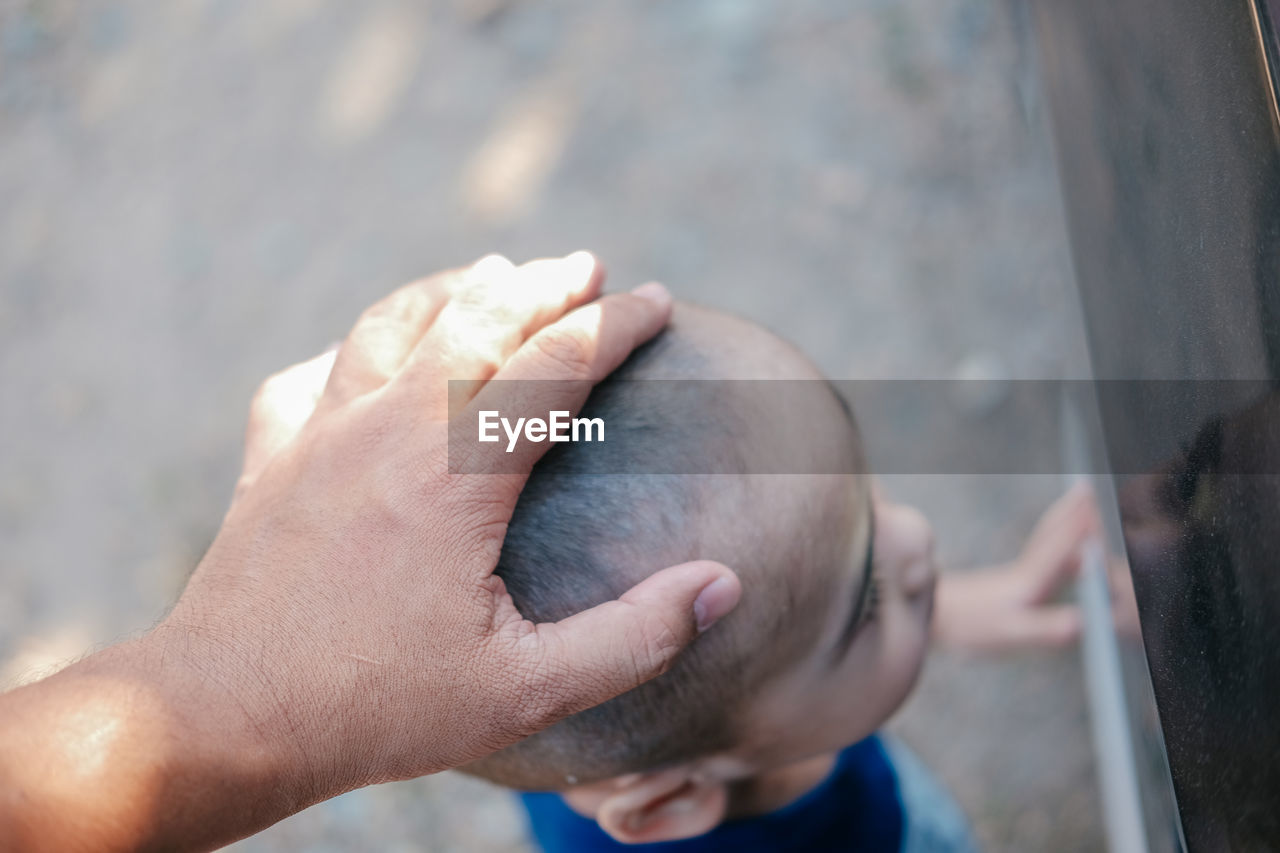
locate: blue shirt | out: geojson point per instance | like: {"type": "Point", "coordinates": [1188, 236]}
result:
{"type": "Point", "coordinates": [856, 808]}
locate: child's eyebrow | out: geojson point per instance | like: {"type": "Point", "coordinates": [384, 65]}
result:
{"type": "Point", "coordinates": [850, 630]}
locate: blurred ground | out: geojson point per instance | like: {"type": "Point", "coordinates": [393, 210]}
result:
{"type": "Point", "coordinates": [197, 193]}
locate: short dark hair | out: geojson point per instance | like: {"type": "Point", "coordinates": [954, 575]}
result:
{"type": "Point", "coordinates": [579, 538]}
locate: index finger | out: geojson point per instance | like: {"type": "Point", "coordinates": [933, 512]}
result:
{"type": "Point", "coordinates": [1050, 552]}
{"type": "Point", "coordinates": [554, 370]}
{"type": "Point", "coordinates": [481, 326]}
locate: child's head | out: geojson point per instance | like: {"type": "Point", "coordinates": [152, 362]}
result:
{"type": "Point", "coordinates": [824, 645]}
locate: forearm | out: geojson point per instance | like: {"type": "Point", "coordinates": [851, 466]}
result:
{"type": "Point", "coordinates": [963, 602]}
{"type": "Point", "coordinates": [346, 626]}
{"type": "Point", "coordinates": [131, 749]}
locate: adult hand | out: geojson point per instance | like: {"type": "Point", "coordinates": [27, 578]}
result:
{"type": "Point", "coordinates": [345, 626]}
{"type": "Point", "coordinates": [1014, 606]}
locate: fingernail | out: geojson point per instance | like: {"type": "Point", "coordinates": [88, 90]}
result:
{"type": "Point", "coordinates": [654, 292]}
{"type": "Point", "coordinates": [716, 599]}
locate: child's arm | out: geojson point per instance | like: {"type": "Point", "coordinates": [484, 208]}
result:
{"type": "Point", "coordinates": [1014, 605]}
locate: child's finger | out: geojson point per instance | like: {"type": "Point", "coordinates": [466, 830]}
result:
{"type": "Point", "coordinates": [1062, 523]}
{"type": "Point", "coordinates": [1048, 627]}
{"type": "Point", "coordinates": [1051, 557]}
{"type": "Point", "coordinates": [590, 657]}
{"type": "Point", "coordinates": [1047, 574]}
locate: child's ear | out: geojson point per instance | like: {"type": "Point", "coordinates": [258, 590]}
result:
{"type": "Point", "coordinates": [665, 805]}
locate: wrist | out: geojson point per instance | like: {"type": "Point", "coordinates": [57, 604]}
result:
{"type": "Point", "coordinates": [236, 741]}
{"type": "Point", "coordinates": [940, 617]}
{"type": "Point", "coordinates": [961, 609]}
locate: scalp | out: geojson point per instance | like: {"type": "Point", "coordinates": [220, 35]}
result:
{"type": "Point", "coordinates": [728, 347]}
{"type": "Point", "coordinates": [579, 538]}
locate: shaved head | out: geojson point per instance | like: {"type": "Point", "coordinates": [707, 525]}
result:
{"type": "Point", "coordinates": [578, 539]}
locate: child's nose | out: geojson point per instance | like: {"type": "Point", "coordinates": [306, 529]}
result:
{"type": "Point", "coordinates": [916, 535]}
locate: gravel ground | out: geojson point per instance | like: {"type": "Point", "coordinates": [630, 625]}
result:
{"type": "Point", "coordinates": [198, 193]}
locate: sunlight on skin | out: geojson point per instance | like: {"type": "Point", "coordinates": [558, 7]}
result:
{"type": "Point", "coordinates": [94, 742]}
{"type": "Point", "coordinates": [91, 734]}
{"type": "Point", "coordinates": [509, 168]}
{"type": "Point", "coordinates": [246, 705]}
{"type": "Point", "coordinates": [129, 756]}
{"type": "Point", "coordinates": [293, 403]}
{"type": "Point", "coordinates": [370, 75]}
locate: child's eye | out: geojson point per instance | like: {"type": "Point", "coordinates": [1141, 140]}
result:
{"type": "Point", "coordinates": [873, 600]}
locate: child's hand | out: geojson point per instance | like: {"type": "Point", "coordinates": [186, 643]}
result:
{"type": "Point", "coordinates": [1013, 605]}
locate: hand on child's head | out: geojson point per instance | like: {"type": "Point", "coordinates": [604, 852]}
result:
{"type": "Point", "coordinates": [831, 633]}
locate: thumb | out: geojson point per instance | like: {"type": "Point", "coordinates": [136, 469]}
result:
{"type": "Point", "coordinates": [595, 655]}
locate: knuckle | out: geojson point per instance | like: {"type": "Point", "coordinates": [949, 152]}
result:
{"type": "Point", "coordinates": [656, 649]}
{"type": "Point", "coordinates": [482, 295]}
{"type": "Point", "coordinates": [376, 312]}
{"type": "Point", "coordinates": [569, 351]}
{"type": "Point", "coordinates": [265, 391]}
{"type": "Point", "coordinates": [273, 387]}
{"type": "Point", "coordinates": [262, 406]}
{"type": "Point", "coordinates": [492, 264]}
{"type": "Point", "coordinates": [397, 310]}
{"type": "Point", "coordinates": [487, 358]}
